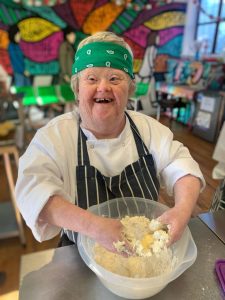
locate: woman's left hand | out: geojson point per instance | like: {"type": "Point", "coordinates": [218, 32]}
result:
{"type": "Point", "coordinates": [186, 192]}
{"type": "Point", "coordinates": [176, 220]}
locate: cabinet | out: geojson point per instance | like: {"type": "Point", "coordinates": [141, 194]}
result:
{"type": "Point", "coordinates": [209, 115]}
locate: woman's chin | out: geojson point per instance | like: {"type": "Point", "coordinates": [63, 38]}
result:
{"type": "Point", "coordinates": [104, 113]}
{"type": "Point", "coordinates": [106, 119]}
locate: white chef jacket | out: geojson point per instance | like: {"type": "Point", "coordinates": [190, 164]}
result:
{"type": "Point", "coordinates": [49, 163]}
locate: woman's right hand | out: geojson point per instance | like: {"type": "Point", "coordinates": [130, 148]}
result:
{"type": "Point", "coordinates": [107, 231]}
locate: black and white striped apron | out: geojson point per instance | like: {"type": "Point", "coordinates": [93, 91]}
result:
{"type": "Point", "coordinates": [138, 179]}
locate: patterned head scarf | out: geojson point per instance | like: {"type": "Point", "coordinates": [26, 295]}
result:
{"type": "Point", "coordinates": [103, 54]}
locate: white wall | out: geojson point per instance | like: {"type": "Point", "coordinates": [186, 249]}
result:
{"type": "Point", "coordinates": [189, 31]}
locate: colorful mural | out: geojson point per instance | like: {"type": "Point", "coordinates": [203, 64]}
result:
{"type": "Point", "coordinates": [152, 28]}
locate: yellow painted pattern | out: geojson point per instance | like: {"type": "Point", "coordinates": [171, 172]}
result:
{"type": "Point", "coordinates": [166, 20]}
{"type": "Point", "coordinates": [137, 65]}
{"type": "Point", "coordinates": [4, 40]}
{"type": "Point", "coordinates": [101, 18]}
{"type": "Point", "coordinates": [36, 29]}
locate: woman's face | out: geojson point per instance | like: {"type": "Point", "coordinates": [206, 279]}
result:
{"type": "Point", "coordinates": [103, 94]}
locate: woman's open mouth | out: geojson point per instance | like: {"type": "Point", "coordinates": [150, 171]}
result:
{"type": "Point", "coordinates": [103, 100]}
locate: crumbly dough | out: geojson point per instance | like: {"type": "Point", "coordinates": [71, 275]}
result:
{"type": "Point", "coordinates": [150, 255]}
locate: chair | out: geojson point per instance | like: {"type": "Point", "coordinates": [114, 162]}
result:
{"type": "Point", "coordinates": [36, 114]}
{"type": "Point", "coordinates": [143, 99]}
{"type": "Point", "coordinates": [11, 223]}
{"type": "Point", "coordinates": [141, 90]}
{"type": "Point", "coordinates": [42, 80]}
{"type": "Point", "coordinates": [39, 115]}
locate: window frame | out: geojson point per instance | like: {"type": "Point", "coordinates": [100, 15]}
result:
{"type": "Point", "coordinates": [216, 22]}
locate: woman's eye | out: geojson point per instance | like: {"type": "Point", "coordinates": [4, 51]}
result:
{"type": "Point", "coordinates": [115, 79]}
{"type": "Point", "coordinates": [91, 79]}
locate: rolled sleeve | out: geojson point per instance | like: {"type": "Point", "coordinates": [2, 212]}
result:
{"type": "Point", "coordinates": [177, 162]}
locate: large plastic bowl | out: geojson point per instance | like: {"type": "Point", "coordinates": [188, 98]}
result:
{"type": "Point", "coordinates": [137, 288]}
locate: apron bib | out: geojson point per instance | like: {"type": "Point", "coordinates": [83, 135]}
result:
{"type": "Point", "coordinates": [138, 179]}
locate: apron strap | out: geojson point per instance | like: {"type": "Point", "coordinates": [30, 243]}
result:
{"type": "Point", "coordinates": [141, 147]}
{"type": "Point", "coordinates": [83, 158]}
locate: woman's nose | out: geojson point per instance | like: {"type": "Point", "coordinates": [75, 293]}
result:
{"type": "Point", "coordinates": [103, 85]}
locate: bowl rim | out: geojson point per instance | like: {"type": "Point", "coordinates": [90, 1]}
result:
{"type": "Point", "coordinates": [139, 199]}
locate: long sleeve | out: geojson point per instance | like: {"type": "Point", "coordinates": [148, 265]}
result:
{"type": "Point", "coordinates": [41, 175]}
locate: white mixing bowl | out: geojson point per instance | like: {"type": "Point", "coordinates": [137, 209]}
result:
{"type": "Point", "coordinates": [137, 288]}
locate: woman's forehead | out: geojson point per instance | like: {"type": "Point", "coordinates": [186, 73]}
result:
{"type": "Point", "coordinates": [102, 71]}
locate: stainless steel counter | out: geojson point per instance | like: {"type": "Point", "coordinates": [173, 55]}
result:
{"type": "Point", "coordinates": [216, 222]}
{"type": "Point", "coordinates": [60, 274]}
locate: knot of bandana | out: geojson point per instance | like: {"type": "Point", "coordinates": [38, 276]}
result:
{"type": "Point", "coordinates": [103, 54]}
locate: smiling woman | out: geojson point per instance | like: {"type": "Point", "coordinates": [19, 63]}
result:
{"type": "Point", "coordinates": [101, 152]}
{"type": "Point", "coordinates": [103, 95]}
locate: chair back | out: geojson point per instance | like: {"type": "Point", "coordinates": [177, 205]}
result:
{"type": "Point", "coordinates": [141, 89]}
{"type": "Point", "coordinates": [42, 80]}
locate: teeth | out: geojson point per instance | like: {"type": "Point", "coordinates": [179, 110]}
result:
{"type": "Point", "coordinates": [103, 100]}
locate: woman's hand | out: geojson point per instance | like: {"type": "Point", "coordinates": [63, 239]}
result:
{"type": "Point", "coordinates": [177, 220]}
{"type": "Point", "coordinates": [186, 192]}
{"type": "Point", "coordinates": [107, 231]}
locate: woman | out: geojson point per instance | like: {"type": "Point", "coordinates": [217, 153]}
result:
{"type": "Point", "coordinates": [102, 152]}
{"type": "Point", "coordinates": [66, 55]}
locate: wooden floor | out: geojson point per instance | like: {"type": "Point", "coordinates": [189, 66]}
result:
{"type": "Point", "coordinates": [11, 250]}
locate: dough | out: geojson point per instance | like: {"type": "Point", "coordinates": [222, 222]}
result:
{"type": "Point", "coordinates": [150, 255]}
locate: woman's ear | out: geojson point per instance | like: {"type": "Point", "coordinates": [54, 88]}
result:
{"type": "Point", "coordinates": [132, 88]}
{"type": "Point", "coordinates": [75, 84]}
{"type": "Point", "coordinates": [77, 89]}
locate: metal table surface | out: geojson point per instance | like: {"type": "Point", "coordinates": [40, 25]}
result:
{"type": "Point", "coordinates": [61, 274]}
{"type": "Point", "coordinates": [216, 222]}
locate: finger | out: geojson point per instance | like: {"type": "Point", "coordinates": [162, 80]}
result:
{"type": "Point", "coordinates": [124, 254]}
{"type": "Point", "coordinates": [174, 236]}
{"type": "Point", "coordinates": [125, 249]}
{"type": "Point", "coordinates": [129, 248]}
{"type": "Point", "coordinates": [164, 219]}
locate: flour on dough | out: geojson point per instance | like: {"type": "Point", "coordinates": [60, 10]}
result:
{"type": "Point", "coordinates": [147, 238]}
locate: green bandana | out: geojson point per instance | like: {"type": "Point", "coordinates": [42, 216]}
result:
{"type": "Point", "coordinates": [103, 54]}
